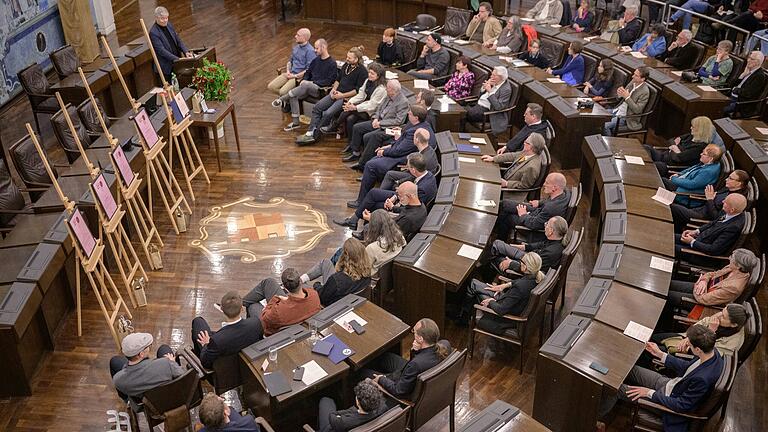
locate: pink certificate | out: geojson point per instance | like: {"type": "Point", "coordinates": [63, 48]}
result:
{"type": "Point", "coordinates": [104, 195]}
{"type": "Point", "coordinates": [146, 129]}
{"type": "Point", "coordinates": [123, 167]}
{"type": "Point", "coordinates": [182, 104]}
{"type": "Point", "coordinates": [82, 232]}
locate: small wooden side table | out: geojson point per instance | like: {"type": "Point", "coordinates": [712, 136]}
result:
{"type": "Point", "coordinates": [212, 121]}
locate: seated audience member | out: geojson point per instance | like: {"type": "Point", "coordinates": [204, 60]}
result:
{"type": "Point", "coordinates": [350, 77]}
{"type": "Point", "coordinates": [685, 149]}
{"type": "Point", "coordinates": [350, 274]}
{"type": "Point", "coordinates": [534, 213]}
{"type": "Point", "coordinates": [505, 256]}
{"type": "Point", "coordinates": [694, 379]}
{"type": "Point", "coordinates": [217, 416]}
{"type": "Point", "coordinates": [392, 111]}
{"type": "Point", "coordinates": [526, 164]}
{"type": "Point", "coordinates": [534, 56]}
{"type": "Point", "coordinates": [653, 43]}
{"type": "Point", "coordinates": [750, 20]}
{"type": "Point", "coordinates": [622, 6]}
{"type": "Point", "coordinates": [287, 304]}
{"type": "Point", "coordinates": [681, 53]}
{"type": "Point", "coordinates": [497, 93]}
{"type": "Point", "coordinates": [761, 37]}
{"type": "Point", "coordinates": [583, 19]}
{"type": "Point", "coordinates": [322, 72]}
{"type": "Point", "coordinates": [484, 26]}
{"type": "Point", "coordinates": [389, 52]}
{"type": "Point", "coordinates": [411, 212]}
{"type": "Point", "coordinates": [460, 84]}
{"type": "Point", "coordinates": [751, 85]}
{"type": "Point", "coordinates": [235, 334]}
{"type": "Point", "coordinates": [633, 101]}
{"type": "Point", "coordinates": [365, 103]}
{"type": "Point", "coordinates": [369, 404]}
{"type": "Point", "coordinates": [383, 239]}
{"type": "Point", "coordinates": [434, 60]}
{"type": "Point", "coordinates": [511, 39]}
{"type": "Point", "coordinates": [302, 55]}
{"type": "Point", "coordinates": [700, 6]}
{"type": "Point", "coordinates": [509, 298]}
{"type": "Point", "coordinates": [602, 83]}
{"type": "Point", "coordinates": [719, 287]}
{"type": "Point", "coordinates": [625, 30]}
{"type": "Point", "coordinates": [396, 375]}
{"type": "Point", "coordinates": [716, 237]}
{"type": "Point", "coordinates": [532, 119]}
{"type": "Point", "coordinates": [426, 98]}
{"type": "Point", "coordinates": [546, 12]}
{"type": "Point", "coordinates": [396, 176]}
{"type": "Point", "coordinates": [133, 373]}
{"type": "Point", "coordinates": [736, 182]}
{"type": "Point", "coordinates": [572, 71]}
{"type": "Point", "coordinates": [694, 178]}
{"type": "Point", "coordinates": [716, 70]}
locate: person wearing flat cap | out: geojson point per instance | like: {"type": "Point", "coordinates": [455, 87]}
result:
{"type": "Point", "coordinates": [134, 372]}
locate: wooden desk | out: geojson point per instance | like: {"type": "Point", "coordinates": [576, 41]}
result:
{"type": "Point", "coordinates": [485, 149]}
{"type": "Point", "coordinates": [449, 115]}
{"type": "Point", "coordinates": [625, 303]}
{"type": "Point", "coordinates": [639, 202]}
{"type": "Point", "coordinates": [468, 226]}
{"type": "Point", "coordinates": [523, 423]}
{"type": "Point", "coordinates": [401, 76]}
{"type": "Point", "coordinates": [469, 192]}
{"type": "Point", "coordinates": [733, 130]}
{"type": "Point", "coordinates": [651, 235]}
{"type": "Point", "coordinates": [628, 146]}
{"type": "Point", "coordinates": [628, 59]}
{"type": "Point", "coordinates": [646, 176]}
{"type": "Point", "coordinates": [565, 91]}
{"type": "Point", "coordinates": [73, 188]}
{"type": "Point", "coordinates": [537, 74]}
{"type": "Point", "coordinates": [571, 125]}
{"type": "Point", "coordinates": [12, 260]}
{"type": "Point", "coordinates": [749, 153]}
{"type": "Point", "coordinates": [681, 102]}
{"type": "Point", "coordinates": [635, 270]}
{"type": "Point", "coordinates": [30, 229]}
{"type": "Point", "coordinates": [211, 122]}
{"type": "Point", "coordinates": [478, 170]}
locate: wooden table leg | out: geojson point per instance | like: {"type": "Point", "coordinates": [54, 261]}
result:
{"type": "Point", "coordinates": [216, 144]}
{"type": "Point", "coordinates": [234, 125]}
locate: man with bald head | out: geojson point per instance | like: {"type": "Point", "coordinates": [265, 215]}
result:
{"type": "Point", "coordinates": [534, 213]}
{"type": "Point", "coordinates": [301, 56]}
{"type": "Point", "coordinates": [411, 212]}
{"type": "Point", "coordinates": [717, 237]}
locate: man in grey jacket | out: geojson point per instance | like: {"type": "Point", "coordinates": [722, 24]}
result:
{"type": "Point", "coordinates": [390, 113]}
{"type": "Point", "coordinates": [634, 99]}
{"type": "Point", "coordinates": [497, 93]}
{"type": "Point", "coordinates": [434, 61]}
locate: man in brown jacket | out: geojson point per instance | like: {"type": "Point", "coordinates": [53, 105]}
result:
{"type": "Point", "coordinates": [483, 26]}
{"type": "Point", "coordinates": [287, 304]}
{"type": "Point", "coordinates": [526, 164]}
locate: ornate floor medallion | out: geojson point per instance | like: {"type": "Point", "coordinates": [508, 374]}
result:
{"type": "Point", "coordinates": [255, 231]}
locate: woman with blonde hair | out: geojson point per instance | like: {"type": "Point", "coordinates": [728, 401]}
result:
{"type": "Point", "coordinates": [685, 149]}
{"type": "Point", "coordinates": [351, 273]}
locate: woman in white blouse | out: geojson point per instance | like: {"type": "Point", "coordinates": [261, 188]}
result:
{"type": "Point", "coordinates": [362, 105]}
{"type": "Point", "coordinates": [383, 239]}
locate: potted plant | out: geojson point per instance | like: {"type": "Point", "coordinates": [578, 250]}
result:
{"type": "Point", "coordinates": [214, 80]}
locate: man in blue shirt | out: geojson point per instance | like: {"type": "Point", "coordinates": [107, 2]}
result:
{"type": "Point", "coordinates": [218, 416]}
{"type": "Point", "coordinates": [301, 56]}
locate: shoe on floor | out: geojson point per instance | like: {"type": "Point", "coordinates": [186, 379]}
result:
{"type": "Point", "coordinates": [358, 235]}
{"type": "Point", "coordinates": [305, 140]}
{"type": "Point", "coordinates": [349, 222]}
{"type": "Point", "coordinates": [277, 103]}
{"type": "Point", "coordinates": [327, 129]}
{"type": "Point", "coordinates": [345, 150]}
{"type": "Point", "coordinates": [359, 179]}
{"type": "Point", "coordinates": [353, 204]}
{"type": "Point", "coordinates": [291, 126]}
{"type": "Point", "coordinates": [351, 158]}
{"type": "Point", "coordinates": [356, 167]}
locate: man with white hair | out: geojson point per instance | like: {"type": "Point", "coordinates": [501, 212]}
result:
{"type": "Point", "coordinates": [750, 86]}
{"type": "Point", "coordinates": [301, 56]}
{"type": "Point", "coordinates": [681, 54]}
{"type": "Point", "coordinates": [625, 30]}
{"type": "Point", "coordinates": [497, 92]}
{"type": "Point", "coordinates": [167, 44]}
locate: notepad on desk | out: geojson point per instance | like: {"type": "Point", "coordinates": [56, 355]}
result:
{"type": "Point", "coordinates": [461, 42]}
{"type": "Point", "coordinates": [555, 80]}
{"type": "Point", "coordinates": [678, 73]}
{"type": "Point", "coordinates": [477, 140]}
{"type": "Point", "coordinates": [486, 203]}
{"type": "Point", "coordinates": [466, 160]}
{"type": "Point", "coordinates": [277, 384]}
{"type": "Point", "coordinates": [519, 63]}
{"type": "Point", "coordinates": [639, 55]}
{"type": "Point", "coordinates": [638, 331]}
{"type": "Point", "coordinates": [662, 264]}
{"type": "Point", "coordinates": [313, 373]}
{"type": "Point", "coordinates": [468, 148]}
{"type": "Point", "coordinates": [421, 84]}
{"type": "Point", "coordinates": [470, 252]}
{"type": "Point", "coordinates": [634, 160]}
{"type": "Point", "coordinates": [707, 88]}
{"type": "Point", "coordinates": [390, 75]}
{"type": "Point", "coordinates": [343, 321]}
{"type": "Point", "coordinates": [763, 131]}
{"type": "Point", "coordinates": [664, 196]}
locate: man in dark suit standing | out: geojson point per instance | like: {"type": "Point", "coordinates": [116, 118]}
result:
{"type": "Point", "coordinates": [534, 213]}
{"type": "Point", "coordinates": [167, 44]}
{"type": "Point", "coordinates": [235, 334]}
{"type": "Point", "coordinates": [718, 236]}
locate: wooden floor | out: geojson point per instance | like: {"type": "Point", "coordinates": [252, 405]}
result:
{"type": "Point", "coordinates": [73, 390]}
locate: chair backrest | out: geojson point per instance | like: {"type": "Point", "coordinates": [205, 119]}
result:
{"type": "Point", "coordinates": [33, 80]}
{"type": "Point", "coordinates": [183, 391]}
{"type": "Point", "coordinates": [573, 203]}
{"type": "Point", "coordinates": [753, 330]}
{"type": "Point", "coordinates": [590, 66]}
{"type": "Point", "coordinates": [226, 370]}
{"type": "Point", "coordinates": [28, 164]}
{"type": "Point", "coordinates": [738, 67]}
{"type": "Point", "coordinates": [698, 59]}
{"type": "Point", "coordinates": [726, 168]}
{"type": "Point", "coordinates": [719, 394]}
{"type": "Point", "coordinates": [620, 78]}
{"type": "Point", "coordinates": [670, 36]}
{"type": "Point", "coordinates": [754, 282]}
{"type": "Point", "coordinates": [553, 50]}
{"type": "Point", "coordinates": [384, 282]}
{"type": "Point", "coordinates": [537, 302]}
{"type": "Point", "coordinates": [364, 291]}
{"type": "Point", "coordinates": [436, 388]}
{"type": "Point", "coordinates": [549, 134]}
{"type": "Point", "coordinates": [65, 61]}
{"type": "Point", "coordinates": [64, 135]}
{"type": "Point", "coordinates": [410, 49]}
{"type": "Point", "coordinates": [752, 192]}
{"type": "Point", "coordinates": [546, 164]}
{"type": "Point", "coordinates": [643, 23]}
{"type": "Point", "coordinates": [456, 21]}
{"type": "Point", "coordinates": [567, 13]}
{"type": "Point", "coordinates": [87, 113]}
{"type": "Point", "coordinates": [481, 75]}
{"type": "Point", "coordinates": [597, 21]}
{"type": "Point", "coordinates": [10, 195]}
{"type": "Point", "coordinates": [750, 221]}
{"type": "Point", "coordinates": [653, 101]}
{"type": "Point", "coordinates": [569, 253]}
{"type": "Point", "coordinates": [394, 420]}
{"type": "Point", "coordinates": [426, 21]}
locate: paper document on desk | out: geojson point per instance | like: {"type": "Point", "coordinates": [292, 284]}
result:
{"type": "Point", "coordinates": [506, 59]}
{"type": "Point", "coordinates": [590, 38]}
{"type": "Point", "coordinates": [445, 100]}
{"type": "Point", "coordinates": [461, 42]}
{"type": "Point", "coordinates": [486, 203]}
{"type": "Point", "coordinates": [421, 84]}
{"type": "Point", "coordinates": [555, 25]}
{"type": "Point", "coordinates": [477, 140]}
{"type": "Point", "coordinates": [466, 160]}
{"type": "Point", "coordinates": [555, 80]}
{"type": "Point", "coordinates": [639, 55]}
{"type": "Point", "coordinates": [664, 196]}
{"type": "Point", "coordinates": [390, 75]}
{"type": "Point", "coordinates": [313, 373]}
{"type": "Point", "coordinates": [519, 63]}
{"type": "Point", "coordinates": [763, 131]}
{"type": "Point", "coordinates": [527, 19]}
{"type": "Point", "coordinates": [678, 73]}
{"type": "Point", "coordinates": [707, 88]}
{"type": "Point", "coordinates": [470, 252]}
{"type": "Point", "coordinates": [662, 264]}
{"type": "Point", "coordinates": [343, 321]}
{"type": "Point", "coordinates": [634, 160]}
{"type": "Point", "coordinates": [425, 32]}
{"type": "Point", "coordinates": [638, 331]}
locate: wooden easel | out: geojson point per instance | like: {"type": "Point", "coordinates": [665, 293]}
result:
{"type": "Point", "coordinates": [179, 134]}
{"type": "Point", "coordinates": [98, 275]}
{"type": "Point", "coordinates": [125, 256]}
{"type": "Point", "coordinates": [143, 224]}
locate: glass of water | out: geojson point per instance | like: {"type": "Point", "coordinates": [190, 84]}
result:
{"type": "Point", "coordinates": [273, 354]}
{"type": "Point", "coordinates": [313, 337]}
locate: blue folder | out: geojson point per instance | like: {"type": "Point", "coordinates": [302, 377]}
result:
{"type": "Point", "coordinates": [337, 354]}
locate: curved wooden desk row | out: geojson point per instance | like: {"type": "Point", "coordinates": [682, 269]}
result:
{"type": "Point", "coordinates": [634, 230]}
{"type": "Point", "coordinates": [37, 266]}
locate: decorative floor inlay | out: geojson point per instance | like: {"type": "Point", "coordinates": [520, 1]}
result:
{"type": "Point", "coordinates": [255, 231]}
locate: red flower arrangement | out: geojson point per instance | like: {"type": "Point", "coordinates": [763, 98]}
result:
{"type": "Point", "coordinates": [214, 80]}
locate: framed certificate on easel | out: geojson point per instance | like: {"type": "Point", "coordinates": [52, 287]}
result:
{"type": "Point", "coordinates": [83, 234]}
{"type": "Point", "coordinates": [104, 196]}
{"type": "Point", "coordinates": [123, 167]}
{"type": "Point", "coordinates": [147, 131]}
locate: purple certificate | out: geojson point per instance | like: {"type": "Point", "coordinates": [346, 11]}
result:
{"type": "Point", "coordinates": [123, 167]}
{"type": "Point", "coordinates": [82, 233]}
{"type": "Point", "coordinates": [146, 129]}
{"type": "Point", "coordinates": [104, 195]}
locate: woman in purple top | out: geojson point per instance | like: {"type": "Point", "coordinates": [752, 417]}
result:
{"type": "Point", "coordinates": [460, 84]}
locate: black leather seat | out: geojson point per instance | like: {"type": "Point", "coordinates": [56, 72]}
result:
{"type": "Point", "coordinates": [553, 50]}
{"type": "Point", "coordinates": [30, 167]}
{"type": "Point", "coordinates": [64, 135]}
{"type": "Point", "coordinates": [456, 21]}
{"type": "Point", "coordinates": [90, 121]}
{"type": "Point", "coordinates": [65, 61]}
{"type": "Point", "coordinates": [38, 90]}
{"type": "Point", "coordinates": [11, 200]}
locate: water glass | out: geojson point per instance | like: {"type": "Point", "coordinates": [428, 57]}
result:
{"type": "Point", "coordinates": [272, 354]}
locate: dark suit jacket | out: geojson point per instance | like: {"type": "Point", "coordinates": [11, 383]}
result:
{"type": "Point", "coordinates": [630, 32]}
{"type": "Point", "coordinates": [690, 391]}
{"type": "Point", "coordinates": [751, 90]}
{"type": "Point", "coordinates": [430, 157]}
{"type": "Point", "coordinates": [716, 238]}
{"type": "Point", "coordinates": [516, 143]}
{"type": "Point", "coordinates": [547, 208]}
{"type": "Point", "coordinates": [350, 418]}
{"type": "Point", "coordinates": [427, 187]}
{"type": "Point", "coordinates": [338, 286]}
{"type": "Point", "coordinates": [681, 57]}
{"type": "Point", "coordinates": [164, 48]}
{"type": "Point", "coordinates": [237, 423]}
{"type": "Point", "coordinates": [550, 251]}
{"type": "Point", "coordinates": [401, 383]}
{"type": "Point", "coordinates": [230, 340]}
{"type": "Point", "coordinates": [499, 101]}
{"type": "Point", "coordinates": [512, 301]}
{"type": "Point", "coordinates": [410, 219]}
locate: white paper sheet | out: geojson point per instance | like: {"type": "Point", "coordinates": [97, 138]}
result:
{"type": "Point", "coordinates": [638, 331]}
{"type": "Point", "coordinates": [664, 196]}
{"type": "Point", "coordinates": [343, 321]}
{"type": "Point", "coordinates": [555, 80]}
{"type": "Point", "coordinates": [312, 373]}
{"type": "Point", "coordinates": [466, 159]}
{"type": "Point", "coordinates": [678, 73]}
{"type": "Point", "coordinates": [519, 63]}
{"type": "Point", "coordinates": [707, 88]}
{"type": "Point", "coordinates": [662, 264]}
{"type": "Point", "coordinates": [634, 160]}
{"type": "Point", "coordinates": [445, 100]}
{"type": "Point", "coordinates": [425, 32]}
{"type": "Point", "coordinates": [590, 38]}
{"type": "Point", "coordinates": [470, 252]}
{"type": "Point", "coordinates": [506, 59]}
{"type": "Point", "coordinates": [555, 25]}
{"type": "Point", "coordinates": [486, 203]}
{"type": "Point", "coordinates": [763, 131]}
{"type": "Point", "coordinates": [527, 19]}
{"type": "Point", "coordinates": [461, 42]}
{"type": "Point", "coordinates": [390, 75]}
{"type": "Point", "coordinates": [477, 140]}
{"type": "Point", "coordinates": [639, 55]}
{"type": "Point", "coordinates": [421, 84]}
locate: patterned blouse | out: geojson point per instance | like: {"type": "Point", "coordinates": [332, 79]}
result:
{"type": "Point", "coordinates": [460, 85]}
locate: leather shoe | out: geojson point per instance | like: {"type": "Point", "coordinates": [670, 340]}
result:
{"type": "Point", "coordinates": [305, 140]}
{"type": "Point", "coordinates": [357, 167]}
{"type": "Point", "coordinates": [358, 235]}
{"type": "Point", "coordinates": [346, 222]}
{"type": "Point", "coordinates": [346, 150]}
{"type": "Point", "coordinates": [353, 204]}
{"type": "Point", "coordinates": [351, 158]}
{"type": "Point", "coordinates": [359, 179]}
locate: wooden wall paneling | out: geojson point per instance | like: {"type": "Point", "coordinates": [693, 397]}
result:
{"type": "Point", "coordinates": [406, 11]}
{"type": "Point", "coordinates": [380, 12]}
{"type": "Point", "coordinates": [319, 9]}
{"type": "Point", "coordinates": [350, 11]}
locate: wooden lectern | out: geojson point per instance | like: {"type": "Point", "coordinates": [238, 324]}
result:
{"type": "Point", "coordinates": [185, 68]}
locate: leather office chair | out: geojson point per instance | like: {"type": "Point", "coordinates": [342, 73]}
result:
{"type": "Point", "coordinates": [485, 125]}
{"type": "Point", "coordinates": [38, 90]}
{"type": "Point", "coordinates": [225, 374]}
{"type": "Point", "coordinates": [738, 67]}
{"type": "Point", "coordinates": [532, 192]}
{"type": "Point", "coordinates": [531, 319]}
{"type": "Point", "coordinates": [750, 221]}
{"type": "Point", "coordinates": [528, 235]}
{"type": "Point", "coordinates": [64, 135]}
{"type": "Point", "coordinates": [65, 61]}
{"type": "Point", "coordinates": [569, 253]}
{"type": "Point", "coordinates": [29, 167]}
{"type": "Point", "coordinates": [753, 331]}
{"type": "Point", "coordinates": [382, 283]}
{"type": "Point", "coordinates": [549, 133]}
{"type": "Point", "coordinates": [456, 21]}
{"type": "Point", "coordinates": [553, 49]}
{"type": "Point", "coordinates": [620, 78]}
{"type": "Point", "coordinates": [590, 66]}
{"type": "Point", "coordinates": [454, 57]}
{"type": "Point", "coordinates": [698, 59]}
{"type": "Point", "coordinates": [86, 111]}
{"type": "Point", "coordinates": [394, 420]}
{"type": "Point", "coordinates": [597, 21]}
{"type": "Point", "coordinates": [573, 204]}
{"type": "Point", "coordinates": [411, 50]}
{"type": "Point", "coordinates": [170, 403]}
{"type": "Point", "coordinates": [697, 417]}
{"type": "Point", "coordinates": [650, 107]}
{"type": "Point", "coordinates": [750, 109]}
{"type": "Point", "coordinates": [481, 75]}
{"type": "Point", "coordinates": [426, 21]}
{"type": "Point", "coordinates": [11, 201]}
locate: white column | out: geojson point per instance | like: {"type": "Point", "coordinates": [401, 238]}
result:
{"type": "Point", "coordinates": [103, 16]}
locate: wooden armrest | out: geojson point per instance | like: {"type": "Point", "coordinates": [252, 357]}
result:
{"type": "Point", "coordinates": [507, 109]}
{"type": "Point", "coordinates": [307, 428]}
{"type": "Point", "coordinates": [188, 354]}
{"type": "Point", "coordinates": [520, 189]}
{"type": "Point", "coordinates": [525, 228]}
{"type": "Point", "coordinates": [390, 395]}
{"type": "Point", "coordinates": [684, 356]}
{"type": "Point", "coordinates": [695, 252]}
{"type": "Point", "coordinates": [514, 318]}
{"type": "Point", "coordinates": [701, 221]}
{"type": "Point", "coordinates": [648, 404]}
{"type": "Point", "coordinates": [467, 99]}
{"type": "Point", "coordinates": [265, 427]}
{"type": "Point", "coordinates": [438, 78]}
{"type": "Point", "coordinates": [684, 320]}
